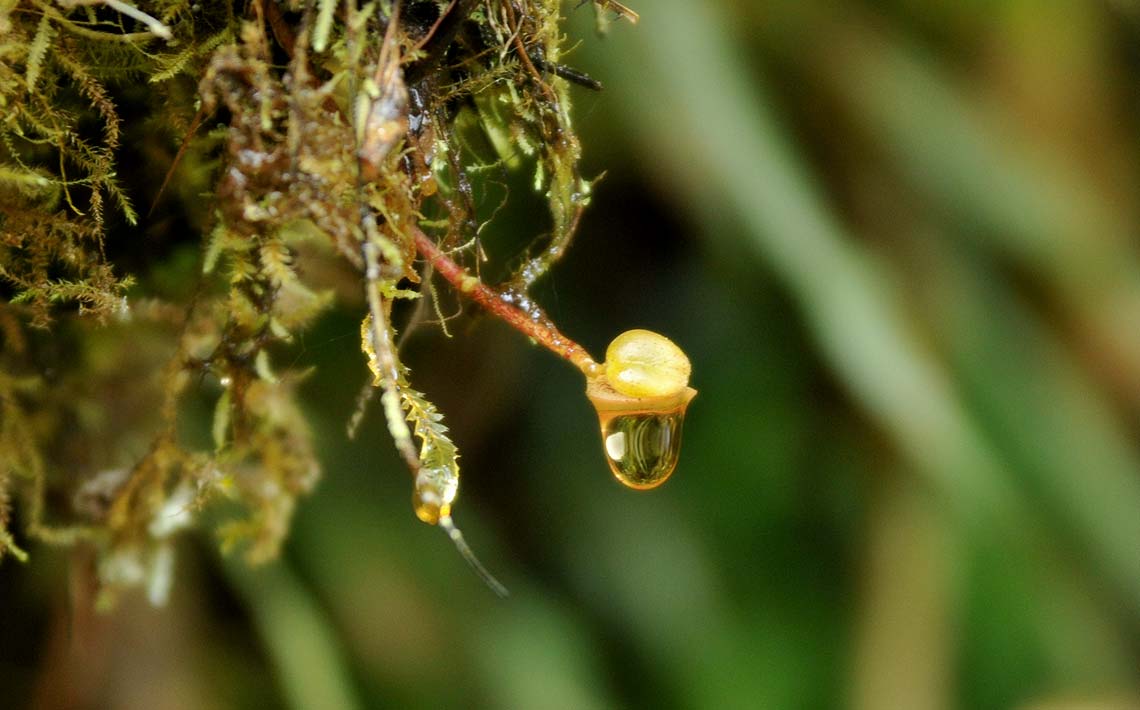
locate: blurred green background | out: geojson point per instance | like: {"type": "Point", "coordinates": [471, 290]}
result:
{"type": "Point", "coordinates": [899, 242]}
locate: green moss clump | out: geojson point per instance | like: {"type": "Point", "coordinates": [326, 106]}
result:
{"type": "Point", "coordinates": [291, 141]}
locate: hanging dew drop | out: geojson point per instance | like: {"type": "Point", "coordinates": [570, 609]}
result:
{"type": "Point", "coordinates": [642, 449]}
{"type": "Point", "coordinates": [641, 394]}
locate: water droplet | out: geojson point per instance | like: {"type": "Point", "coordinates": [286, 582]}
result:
{"type": "Point", "coordinates": [642, 448]}
{"type": "Point", "coordinates": [435, 491]}
{"type": "Point", "coordinates": [641, 436]}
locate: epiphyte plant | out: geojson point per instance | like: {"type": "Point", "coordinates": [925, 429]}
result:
{"type": "Point", "coordinates": [640, 392]}
{"type": "Point", "coordinates": [336, 142]}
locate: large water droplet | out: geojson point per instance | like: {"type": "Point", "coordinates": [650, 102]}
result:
{"type": "Point", "coordinates": [642, 448]}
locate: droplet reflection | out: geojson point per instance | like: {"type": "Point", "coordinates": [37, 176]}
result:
{"type": "Point", "coordinates": [642, 449]}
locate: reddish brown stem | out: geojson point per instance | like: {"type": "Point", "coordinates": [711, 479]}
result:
{"type": "Point", "coordinates": [532, 322]}
{"type": "Point", "coordinates": [198, 118]}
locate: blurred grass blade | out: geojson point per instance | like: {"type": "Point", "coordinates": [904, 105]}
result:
{"type": "Point", "coordinates": [299, 638]}
{"type": "Point", "coordinates": [1027, 202]}
{"type": "Point", "coordinates": [907, 603]}
{"type": "Point", "coordinates": [1064, 437]}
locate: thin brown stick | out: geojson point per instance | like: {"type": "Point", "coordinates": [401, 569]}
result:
{"type": "Point", "coordinates": [439, 38]}
{"type": "Point", "coordinates": [194, 124]}
{"type": "Point", "coordinates": [531, 322]}
{"type": "Point", "coordinates": [435, 27]}
{"type": "Point", "coordinates": [525, 58]}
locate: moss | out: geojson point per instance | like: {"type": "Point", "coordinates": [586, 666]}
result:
{"type": "Point", "coordinates": [338, 134]}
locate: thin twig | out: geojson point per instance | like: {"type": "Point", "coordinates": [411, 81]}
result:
{"type": "Point", "coordinates": [194, 124]}
{"type": "Point", "coordinates": [531, 322]}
